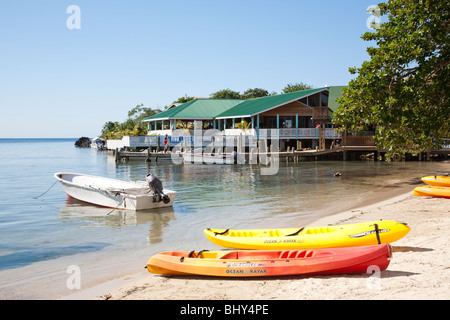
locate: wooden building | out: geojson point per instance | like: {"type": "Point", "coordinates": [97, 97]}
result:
{"type": "Point", "coordinates": [301, 118]}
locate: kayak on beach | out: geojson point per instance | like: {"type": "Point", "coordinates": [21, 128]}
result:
{"type": "Point", "coordinates": [432, 191]}
{"type": "Point", "coordinates": [349, 235]}
{"type": "Point", "coordinates": [438, 181]}
{"type": "Point", "coordinates": [258, 263]}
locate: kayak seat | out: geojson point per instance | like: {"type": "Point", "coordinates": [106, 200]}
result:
{"type": "Point", "coordinates": [318, 230]}
{"type": "Point", "coordinates": [231, 255]}
{"type": "Point", "coordinates": [296, 254]}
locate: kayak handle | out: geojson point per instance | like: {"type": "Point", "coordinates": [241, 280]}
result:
{"type": "Point", "coordinates": [295, 233]}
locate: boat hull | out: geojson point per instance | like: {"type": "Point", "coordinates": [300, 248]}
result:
{"type": "Point", "coordinates": [262, 263]}
{"type": "Point", "coordinates": [207, 159]}
{"type": "Point", "coordinates": [110, 192]}
{"type": "Point", "coordinates": [438, 181]}
{"type": "Point", "coordinates": [432, 191]}
{"type": "Point", "coordinates": [350, 235]}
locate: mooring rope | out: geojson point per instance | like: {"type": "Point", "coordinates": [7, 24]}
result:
{"type": "Point", "coordinates": [123, 198]}
{"type": "Point", "coordinates": [46, 191]}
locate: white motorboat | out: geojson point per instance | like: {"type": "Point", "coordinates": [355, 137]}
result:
{"type": "Point", "coordinates": [117, 194]}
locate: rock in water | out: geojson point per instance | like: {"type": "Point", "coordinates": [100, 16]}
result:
{"type": "Point", "coordinates": [83, 142]}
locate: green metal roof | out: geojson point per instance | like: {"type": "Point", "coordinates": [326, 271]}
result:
{"type": "Point", "coordinates": [254, 106]}
{"type": "Point", "coordinates": [196, 109]}
{"type": "Point", "coordinates": [335, 92]}
{"type": "Point", "coordinates": [234, 108]}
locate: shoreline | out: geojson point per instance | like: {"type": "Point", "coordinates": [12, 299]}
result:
{"type": "Point", "coordinates": [419, 269]}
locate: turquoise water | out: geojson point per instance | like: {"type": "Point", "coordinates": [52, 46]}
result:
{"type": "Point", "coordinates": [41, 237]}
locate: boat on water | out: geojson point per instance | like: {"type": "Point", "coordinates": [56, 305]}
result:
{"type": "Point", "coordinates": [260, 263]}
{"type": "Point", "coordinates": [131, 195]}
{"type": "Point", "coordinates": [200, 157]}
{"type": "Point", "coordinates": [98, 143]}
{"type": "Point", "coordinates": [438, 181]}
{"type": "Point", "coordinates": [348, 235]}
{"type": "Point", "coordinates": [432, 191]}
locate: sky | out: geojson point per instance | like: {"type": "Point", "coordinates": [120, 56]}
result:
{"type": "Point", "coordinates": [64, 73]}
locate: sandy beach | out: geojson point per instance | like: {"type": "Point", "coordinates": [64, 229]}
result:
{"type": "Point", "coordinates": [419, 269]}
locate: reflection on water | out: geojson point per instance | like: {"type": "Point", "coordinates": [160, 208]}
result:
{"type": "Point", "coordinates": [96, 216]}
{"type": "Point", "coordinates": [16, 257]}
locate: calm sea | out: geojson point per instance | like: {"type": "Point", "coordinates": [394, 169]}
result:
{"type": "Point", "coordinates": [40, 238]}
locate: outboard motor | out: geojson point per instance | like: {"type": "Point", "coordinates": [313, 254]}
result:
{"type": "Point", "coordinates": [156, 186]}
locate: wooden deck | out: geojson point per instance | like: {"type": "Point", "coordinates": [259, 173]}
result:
{"type": "Point", "coordinates": [339, 153]}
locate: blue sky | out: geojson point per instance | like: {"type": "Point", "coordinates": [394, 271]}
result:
{"type": "Point", "coordinates": [58, 82]}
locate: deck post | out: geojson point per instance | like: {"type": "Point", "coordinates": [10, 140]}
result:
{"type": "Point", "coordinates": [257, 127]}
{"type": "Point", "coordinates": [278, 126]}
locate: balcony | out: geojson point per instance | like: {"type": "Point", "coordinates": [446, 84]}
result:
{"type": "Point", "coordinates": [283, 133]}
{"type": "Point", "coordinates": [155, 138]}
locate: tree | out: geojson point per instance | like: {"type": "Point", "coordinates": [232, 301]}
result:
{"type": "Point", "coordinates": [184, 99]}
{"type": "Point", "coordinates": [225, 94]}
{"type": "Point", "coordinates": [403, 90]}
{"type": "Point", "coordinates": [291, 87]}
{"type": "Point", "coordinates": [109, 127]}
{"type": "Point", "coordinates": [132, 126]}
{"type": "Point", "coordinates": [140, 112]}
{"type": "Point", "coordinates": [244, 125]}
{"type": "Point", "coordinates": [255, 93]}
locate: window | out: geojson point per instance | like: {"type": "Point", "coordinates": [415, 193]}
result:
{"type": "Point", "coordinates": [313, 101]}
{"type": "Point", "coordinates": [324, 100]}
{"type": "Point", "coordinates": [287, 122]}
{"type": "Point", "coordinates": [271, 122]}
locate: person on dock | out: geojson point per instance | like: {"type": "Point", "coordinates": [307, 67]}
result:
{"type": "Point", "coordinates": [166, 143]}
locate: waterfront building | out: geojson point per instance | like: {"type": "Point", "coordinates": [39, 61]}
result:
{"type": "Point", "coordinates": [297, 120]}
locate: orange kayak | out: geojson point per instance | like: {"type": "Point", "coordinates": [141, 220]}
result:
{"type": "Point", "coordinates": [257, 263]}
{"type": "Point", "coordinates": [432, 191]}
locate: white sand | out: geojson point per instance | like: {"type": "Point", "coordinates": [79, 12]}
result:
{"type": "Point", "coordinates": [420, 268]}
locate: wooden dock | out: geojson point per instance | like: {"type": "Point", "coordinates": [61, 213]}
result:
{"type": "Point", "coordinates": [338, 153]}
{"type": "Point", "coordinates": [145, 155]}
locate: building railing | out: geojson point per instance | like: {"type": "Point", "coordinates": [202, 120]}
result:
{"type": "Point", "coordinates": [283, 133]}
{"type": "Point", "coordinates": [248, 137]}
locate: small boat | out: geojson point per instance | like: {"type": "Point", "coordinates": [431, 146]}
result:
{"type": "Point", "coordinates": [349, 235]}
{"type": "Point", "coordinates": [261, 263]}
{"type": "Point", "coordinates": [98, 143]}
{"type": "Point", "coordinates": [199, 156]}
{"type": "Point", "coordinates": [116, 193]}
{"type": "Point", "coordinates": [432, 191]}
{"type": "Point", "coordinates": [438, 181]}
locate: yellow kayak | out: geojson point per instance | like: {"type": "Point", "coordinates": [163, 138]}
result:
{"type": "Point", "coordinates": [438, 181]}
{"type": "Point", "coordinates": [349, 235]}
{"type": "Point", "coordinates": [432, 191]}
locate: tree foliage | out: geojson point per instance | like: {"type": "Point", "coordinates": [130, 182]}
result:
{"type": "Point", "coordinates": [291, 87]}
{"type": "Point", "coordinates": [225, 94]}
{"type": "Point", "coordinates": [132, 126]}
{"type": "Point", "coordinates": [255, 93]}
{"type": "Point", "coordinates": [184, 99]}
{"type": "Point", "coordinates": [402, 91]}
